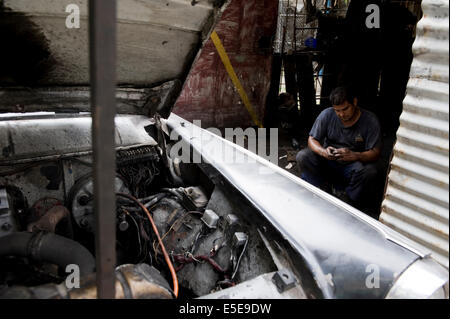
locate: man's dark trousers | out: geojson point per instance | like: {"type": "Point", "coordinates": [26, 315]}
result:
{"type": "Point", "coordinates": [355, 176]}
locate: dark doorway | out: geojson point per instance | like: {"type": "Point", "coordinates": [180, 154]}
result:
{"type": "Point", "coordinates": [373, 62]}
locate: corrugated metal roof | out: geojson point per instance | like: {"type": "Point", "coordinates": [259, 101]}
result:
{"type": "Point", "coordinates": [416, 202]}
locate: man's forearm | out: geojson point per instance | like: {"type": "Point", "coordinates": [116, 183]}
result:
{"type": "Point", "coordinates": [315, 146]}
{"type": "Point", "coordinates": [368, 156]}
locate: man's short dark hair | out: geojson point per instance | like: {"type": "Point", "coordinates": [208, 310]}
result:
{"type": "Point", "coordinates": [341, 94]}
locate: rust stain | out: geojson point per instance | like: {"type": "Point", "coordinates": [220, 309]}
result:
{"type": "Point", "coordinates": [208, 94]}
{"type": "Point", "coordinates": [25, 59]}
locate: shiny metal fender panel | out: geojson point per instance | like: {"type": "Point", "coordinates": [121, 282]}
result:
{"type": "Point", "coordinates": [425, 278]}
{"type": "Point", "coordinates": [343, 247]}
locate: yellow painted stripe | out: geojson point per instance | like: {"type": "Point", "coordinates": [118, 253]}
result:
{"type": "Point", "coordinates": [226, 62]}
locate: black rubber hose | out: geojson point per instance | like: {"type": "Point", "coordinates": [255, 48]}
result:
{"type": "Point", "coordinates": [48, 247]}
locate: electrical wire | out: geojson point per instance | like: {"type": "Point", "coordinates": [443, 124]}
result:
{"type": "Point", "coordinates": [147, 198]}
{"type": "Point", "coordinates": [186, 260]}
{"type": "Point", "coordinates": [166, 255]}
{"type": "Point", "coordinates": [176, 223]}
{"type": "Point", "coordinates": [239, 260]}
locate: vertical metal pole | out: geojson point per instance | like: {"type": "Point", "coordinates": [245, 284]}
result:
{"type": "Point", "coordinates": [102, 44]}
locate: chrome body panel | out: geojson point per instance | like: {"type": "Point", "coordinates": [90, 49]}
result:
{"type": "Point", "coordinates": [421, 280]}
{"type": "Point", "coordinates": [339, 243]}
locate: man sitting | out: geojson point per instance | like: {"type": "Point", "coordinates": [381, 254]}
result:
{"type": "Point", "coordinates": [344, 144]}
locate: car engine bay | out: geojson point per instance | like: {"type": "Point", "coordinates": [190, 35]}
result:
{"type": "Point", "coordinates": [213, 237]}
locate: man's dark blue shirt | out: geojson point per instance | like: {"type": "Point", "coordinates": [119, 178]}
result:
{"type": "Point", "coordinates": [362, 136]}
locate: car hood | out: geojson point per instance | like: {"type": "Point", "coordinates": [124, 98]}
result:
{"type": "Point", "coordinates": [341, 245]}
{"type": "Point", "coordinates": [45, 66]}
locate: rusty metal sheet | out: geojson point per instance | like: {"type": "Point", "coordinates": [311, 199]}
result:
{"type": "Point", "coordinates": [416, 201]}
{"type": "Point", "coordinates": [209, 94]}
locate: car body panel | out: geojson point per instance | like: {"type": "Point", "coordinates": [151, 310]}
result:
{"type": "Point", "coordinates": [26, 139]}
{"type": "Point", "coordinates": [341, 245]}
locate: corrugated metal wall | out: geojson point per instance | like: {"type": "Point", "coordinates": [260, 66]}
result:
{"type": "Point", "coordinates": [417, 197]}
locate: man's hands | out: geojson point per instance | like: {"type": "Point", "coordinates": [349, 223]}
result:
{"type": "Point", "coordinates": [330, 153]}
{"type": "Point", "coordinates": [343, 154]}
{"type": "Point", "coordinates": [340, 154]}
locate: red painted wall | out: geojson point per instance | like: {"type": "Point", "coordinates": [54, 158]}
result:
{"type": "Point", "coordinates": [209, 94]}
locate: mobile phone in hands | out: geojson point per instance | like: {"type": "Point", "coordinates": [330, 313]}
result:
{"type": "Point", "coordinates": [332, 151]}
